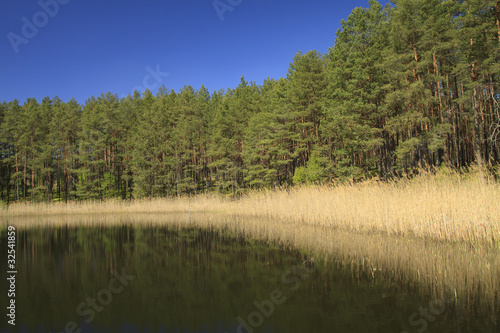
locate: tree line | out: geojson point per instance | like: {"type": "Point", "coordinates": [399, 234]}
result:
{"type": "Point", "coordinates": [406, 86]}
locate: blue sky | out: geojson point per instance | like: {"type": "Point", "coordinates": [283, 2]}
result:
{"type": "Point", "coordinates": [77, 48]}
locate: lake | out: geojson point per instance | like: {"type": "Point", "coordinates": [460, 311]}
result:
{"type": "Point", "coordinates": [154, 278]}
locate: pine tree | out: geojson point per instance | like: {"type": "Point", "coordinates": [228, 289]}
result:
{"type": "Point", "coordinates": [4, 156]}
{"type": "Point", "coordinates": [64, 130]}
{"type": "Point", "coordinates": [354, 110]}
{"type": "Point", "coordinates": [145, 147]}
{"type": "Point", "coordinates": [11, 145]}
{"type": "Point", "coordinates": [307, 83]}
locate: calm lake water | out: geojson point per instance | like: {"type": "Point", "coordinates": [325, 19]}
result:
{"type": "Point", "coordinates": [167, 279]}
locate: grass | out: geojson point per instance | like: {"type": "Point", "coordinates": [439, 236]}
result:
{"type": "Point", "coordinates": [435, 231]}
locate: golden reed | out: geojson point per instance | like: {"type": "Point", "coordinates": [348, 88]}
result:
{"type": "Point", "coordinates": [435, 231]}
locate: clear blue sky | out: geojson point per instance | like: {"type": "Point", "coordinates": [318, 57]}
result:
{"type": "Point", "coordinates": [89, 47]}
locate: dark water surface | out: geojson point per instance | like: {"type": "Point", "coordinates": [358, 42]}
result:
{"type": "Point", "coordinates": [160, 279]}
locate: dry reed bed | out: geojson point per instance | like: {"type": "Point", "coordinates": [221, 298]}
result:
{"type": "Point", "coordinates": [146, 206]}
{"type": "Point", "coordinates": [451, 210]}
{"type": "Point", "coordinates": [447, 209]}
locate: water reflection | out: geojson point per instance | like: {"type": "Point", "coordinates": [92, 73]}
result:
{"type": "Point", "coordinates": [139, 278]}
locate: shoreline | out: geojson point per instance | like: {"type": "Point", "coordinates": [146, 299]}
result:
{"type": "Point", "coordinates": [449, 208]}
{"type": "Point", "coordinates": [430, 233]}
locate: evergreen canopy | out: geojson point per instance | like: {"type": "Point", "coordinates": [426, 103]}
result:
{"type": "Point", "coordinates": [405, 86]}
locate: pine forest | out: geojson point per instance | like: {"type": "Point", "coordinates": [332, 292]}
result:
{"type": "Point", "coordinates": [409, 86]}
